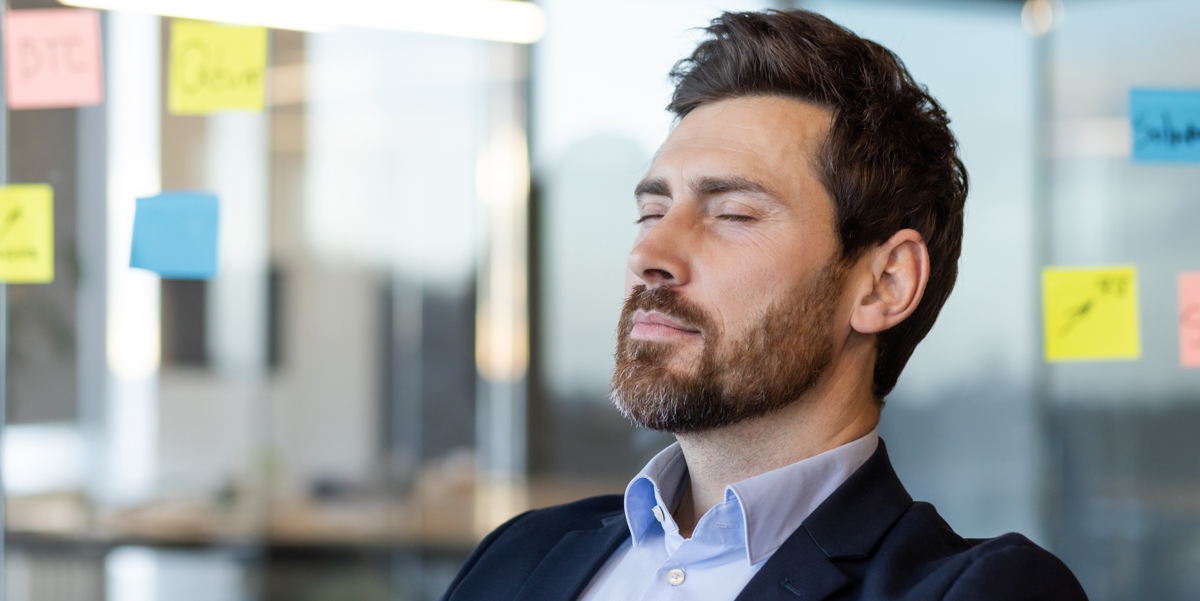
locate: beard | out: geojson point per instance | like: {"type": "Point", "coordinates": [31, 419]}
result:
{"type": "Point", "coordinates": [770, 367]}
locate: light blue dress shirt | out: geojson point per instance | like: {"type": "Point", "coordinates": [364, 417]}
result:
{"type": "Point", "coordinates": [731, 542]}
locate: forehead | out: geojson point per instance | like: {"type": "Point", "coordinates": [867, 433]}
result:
{"type": "Point", "coordinates": [767, 138]}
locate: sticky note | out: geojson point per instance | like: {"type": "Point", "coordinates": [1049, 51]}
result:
{"type": "Point", "coordinates": [1166, 125]}
{"type": "Point", "coordinates": [1189, 319]}
{"type": "Point", "coordinates": [216, 67]}
{"type": "Point", "coordinates": [1091, 313]}
{"type": "Point", "coordinates": [175, 235]}
{"type": "Point", "coordinates": [52, 58]}
{"type": "Point", "coordinates": [27, 233]}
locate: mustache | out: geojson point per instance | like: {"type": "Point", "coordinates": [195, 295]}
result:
{"type": "Point", "coordinates": [669, 302]}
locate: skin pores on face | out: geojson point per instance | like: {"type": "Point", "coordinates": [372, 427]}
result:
{"type": "Point", "coordinates": [732, 217]}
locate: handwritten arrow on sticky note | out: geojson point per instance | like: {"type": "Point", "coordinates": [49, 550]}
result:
{"type": "Point", "coordinates": [27, 234]}
{"type": "Point", "coordinates": [1091, 313]}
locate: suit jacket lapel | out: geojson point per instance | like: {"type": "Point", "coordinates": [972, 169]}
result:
{"type": "Point", "coordinates": [572, 563]}
{"type": "Point", "coordinates": [798, 570]}
{"type": "Point", "coordinates": [848, 525]}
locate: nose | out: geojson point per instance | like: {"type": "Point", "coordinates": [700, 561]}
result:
{"type": "Point", "coordinates": [661, 257]}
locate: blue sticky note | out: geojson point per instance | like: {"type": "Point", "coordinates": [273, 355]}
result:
{"type": "Point", "coordinates": [175, 235]}
{"type": "Point", "coordinates": [1166, 125]}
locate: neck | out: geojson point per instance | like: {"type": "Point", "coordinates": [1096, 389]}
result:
{"type": "Point", "coordinates": [839, 410]}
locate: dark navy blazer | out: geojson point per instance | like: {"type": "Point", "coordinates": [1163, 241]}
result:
{"type": "Point", "coordinates": [868, 540]}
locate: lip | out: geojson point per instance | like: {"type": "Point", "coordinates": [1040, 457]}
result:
{"type": "Point", "coordinates": [653, 324]}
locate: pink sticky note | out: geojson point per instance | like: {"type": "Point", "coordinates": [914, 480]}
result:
{"type": "Point", "coordinates": [1189, 319]}
{"type": "Point", "coordinates": [52, 58]}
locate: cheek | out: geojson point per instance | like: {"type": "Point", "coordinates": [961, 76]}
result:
{"type": "Point", "coordinates": [743, 280]}
{"type": "Point", "coordinates": [740, 300]}
{"type": "Point", "coordinates": [734, 295]}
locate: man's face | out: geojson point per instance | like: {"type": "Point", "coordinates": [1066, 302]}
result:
{"type": "Point", "coordinates": [733, 288]}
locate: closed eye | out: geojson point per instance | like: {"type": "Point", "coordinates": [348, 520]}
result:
{"type": "Point", "coordinates": [737, 218]}
{"type": "Point", "coordinates": [645, 218]}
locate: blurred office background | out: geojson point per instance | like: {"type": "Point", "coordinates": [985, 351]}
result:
{"type": "Point", "coordinates": [422, 255]}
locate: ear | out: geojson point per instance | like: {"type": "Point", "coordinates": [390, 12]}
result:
{"type": "Point", "coordinates": [898, 270]}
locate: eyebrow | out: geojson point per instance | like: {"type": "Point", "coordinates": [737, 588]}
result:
{"type": "Point", "coordinates": [654, 187]}
{"type": "Point", "coordinates": [709, 186]}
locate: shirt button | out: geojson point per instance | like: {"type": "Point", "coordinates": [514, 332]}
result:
{"type": "Point", "coordinates": [675, 577]}
{"type": "Point", "coordinates": [658, 513]}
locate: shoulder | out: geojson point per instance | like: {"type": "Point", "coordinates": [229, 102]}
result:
{"type": "Point", "coordinates": [540, 527]}
{"type": "Point", "coordinates": [923, 555]}
{"type": "Point", "coordinates": [583, 513]}
{"type": "Point", "coordinates": [1014, 567]}
{"type": "Point", "coordinates": [552, 523]}
{"type": "Point", "coordinates": [507, 556]}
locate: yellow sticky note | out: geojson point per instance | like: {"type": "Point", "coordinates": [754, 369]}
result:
{"type": "Point", "coordinates": [216, 67]}
{"type": "Point", "coordinates": [27, 233]}
{"type": "Point", "coordinates": [1091, 313]}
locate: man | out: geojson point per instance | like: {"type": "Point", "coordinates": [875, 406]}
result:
{"type": "Point", "coordinates": [800, 230]}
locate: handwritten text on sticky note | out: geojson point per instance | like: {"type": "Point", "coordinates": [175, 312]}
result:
{"type": "Point", "coordinates": [26, 233]}
{"type": "Point", "coordinates": [52, 58]}
{"type": "Point", "coordinates": [175, 235]}
{"type": "Point", "coordinates": [1189, 319]}
{"type": "Point", "coordinates": [216, 67]}
{"type": "Point", "coordinates": [1091, 313]}
{"type": "Point", "coordinates": [1166, 125]}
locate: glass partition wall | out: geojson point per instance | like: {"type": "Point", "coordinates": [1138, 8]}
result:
{"type": "Point", "coordinates": [1125, 489]}
{"type": "Point", "coordinates": [422, 245]}
{"type": "Point", "coordinates": [305, 424]}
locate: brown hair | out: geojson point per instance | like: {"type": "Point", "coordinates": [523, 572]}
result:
{"type": "Point", "coordinates": [890, 161]}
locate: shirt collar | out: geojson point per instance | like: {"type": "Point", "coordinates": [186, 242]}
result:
{"type": "Point", "coordinates": [772, 504]}
{"type": "Point", "coordinates": [658, 484]}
